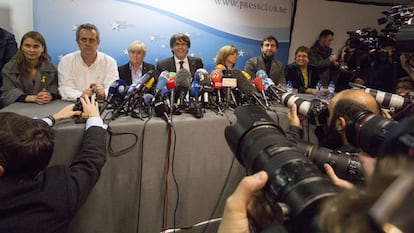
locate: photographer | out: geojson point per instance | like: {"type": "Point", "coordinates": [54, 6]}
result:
{"type": "Point", "coordinates": [36, 198]}
{"type": "Point", "coordinates": [341, 108]}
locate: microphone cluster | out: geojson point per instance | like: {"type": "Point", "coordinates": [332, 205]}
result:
{"type": "Point", "coordinates": [178, 92]}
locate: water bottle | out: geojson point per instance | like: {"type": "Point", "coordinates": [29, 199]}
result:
{"type": "Point", "coordinates": [318, 89]}
{"type": "Point", "coordinates": [331, 89]}
{"type": "Point", "coordinates": [289, 87]}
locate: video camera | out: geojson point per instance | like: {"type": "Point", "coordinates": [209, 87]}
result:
{"type": "Point", "coordinates": [260, 144]}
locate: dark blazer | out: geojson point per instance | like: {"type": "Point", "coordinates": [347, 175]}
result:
{"type": "Point", "coordinates": [294, 74]}
{"type": "Point", "coordinates": [48, 202]}
{"type": "Point", "coordinates": [125, 72]}
{"type": "Point", "coordinates": [169, 64]}
{"type": "Point", "coordinates": [276, 69]}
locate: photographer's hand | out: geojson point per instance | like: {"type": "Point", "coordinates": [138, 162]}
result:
{"type": "Point", "coordinates": [341, 183]}
{"type": "Point", "coordinates": [235, 212]}
{"type": "Point", "coordinates": [66, 113]}
{"type": "Point", "coordinates": [293, 116]}
{"type": "Point", "coordinates": [90, 107]}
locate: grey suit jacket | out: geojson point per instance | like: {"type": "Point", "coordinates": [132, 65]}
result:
{"type": "Point", "coordinates": [277, 71]}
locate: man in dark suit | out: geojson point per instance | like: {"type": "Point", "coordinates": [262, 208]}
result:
{"type": "Point", "coordinates": [37, 198]}
{"type": "Point", "coordinates": [136, 67]}
{"type": "Point", "coordinates": [274, 68]}
{"type": "Point", "coordinates": [179, 44]}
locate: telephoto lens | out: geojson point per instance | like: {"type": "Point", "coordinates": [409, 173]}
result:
{"type": "Point", "coordinates": [368, 131]}
{"type": "Point", "coordinates": [346, 165]}
{"type": "Point", "coordinates": [259, 144]}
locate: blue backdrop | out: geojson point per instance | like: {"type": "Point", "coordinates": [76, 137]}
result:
{"type": "Point", "coordinates": [209, 23]}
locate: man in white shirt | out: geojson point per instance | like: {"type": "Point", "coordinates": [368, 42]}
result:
{"type": "Point", "coordinates": [86, 71]}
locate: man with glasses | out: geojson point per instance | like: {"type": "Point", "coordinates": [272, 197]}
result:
{"type": "Point", "coordinates": [86, 71]}
{"type": "Point", "coordinates": [266, 62]}
{"type": "Point", "coordinates": [180, 44]}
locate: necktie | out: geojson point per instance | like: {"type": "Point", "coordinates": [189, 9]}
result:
{"type": "Point", "coordinates": [181, 64]}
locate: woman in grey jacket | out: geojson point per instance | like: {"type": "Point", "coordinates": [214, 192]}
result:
{"type": "Point", "coordinates": [30, 76]}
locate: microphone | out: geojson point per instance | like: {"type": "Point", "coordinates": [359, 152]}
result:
{"type": "Point", "coordinates": [246, 87]}
{"type": "Point", "coordinates": [246, 75]}
{"type": "Point", "coordinates": [216, 77]}
{"type": "Point", "coordinates": [142, 82]}
{"type": "Point", "coordinates": [148, 101]}
{"type": "Point", "coordinates": [183, 86]}
{"type": "Point", "coordinates": [385, 99]}
{"type": "Point", "coordinates": [268, 83]}
{"type": "Point", "coordinates": [258, 82]}
{"type": "Point", "coordinates": [136, 99]}
{"type": "Point", "coordinates": [195, 93]}
{"type": "Point", "coordinates": [116, 92]}
{"type": "Point", "coordinates": [161, 109]}
{"type": "Point", "coordinates": [171, 83]}
{"type": "Point", "coordinates": [206, 86]}
{"type": "Point", "coordinates": [162, 81]}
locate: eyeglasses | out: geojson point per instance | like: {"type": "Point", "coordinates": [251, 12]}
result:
{"type": "Point", "coordinates": [85, 40]}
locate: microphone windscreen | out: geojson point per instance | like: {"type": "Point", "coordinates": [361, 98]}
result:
{"type": "Point", "coordinates": [220, 67]}
{"type": "Point", "coordinates": [258, 82]}
{"type": "Point", "coordinates": [118, 88]}
{"type": "Point", "coordinates": [242, 83]}
{"type": "Point", "coordinates": [148, 98]}
{"type": "Point", "coordinates": [183, 78]}
{"type": "Point", "coordinates": [171, 83]}
{"type": "Point", "coordinates": [217, 76]}
{"type": "Point", "coordinates": [172, 74]}
{"type": "Point", "coordinates": [261, 73]}
{"type": "Point", "coordinates": [162, 82]}
{"type": "Point", "coordinates": [198, 75]}
{"type": "Point", "coordinates": [246, 75]}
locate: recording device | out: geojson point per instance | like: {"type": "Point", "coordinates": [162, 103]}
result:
{"type": "Point", "coordinates": [270, 86]}
{"type": "Point", "coordinates": [260, 144]}
{"type": "Point", "coordinates": [258, 83]}
{"type": "Point", "coordinates": [216, 77]}
{"type": "Point", "coordinates": [250, 95]}
{"type": "Point", "coordinates": [116, 93]}
{"type": "Point", "coordinates": [346, 165]}
{"type": "Point", "coordinates": [378, 136]}
{"type": "Point", "coordinates": [182, 87]}
{"type": "Point", "coordinates": [195, 106]}
{"type": "Point", "coordinates": [315, 110]}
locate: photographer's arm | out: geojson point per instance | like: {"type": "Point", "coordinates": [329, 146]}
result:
{"type": "Point", "coordinates": [85, 168]}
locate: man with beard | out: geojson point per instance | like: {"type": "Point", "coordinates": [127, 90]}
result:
{"type": "Point", "coordinates": [342, 108]}
{"type": "Point", "coordinates": [266, 62]}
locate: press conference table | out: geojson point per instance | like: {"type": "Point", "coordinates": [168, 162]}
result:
{"type": "Point", "coordinates": [129, 196]}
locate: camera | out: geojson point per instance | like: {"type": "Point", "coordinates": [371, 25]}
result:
{"type": "Point", "coordinates": [78, 105]}
{"type": "Point", "coordinates": [315, 110]}
{"type": "Point", "coordinates": [378, 136]}
{"type": "Point", "coordinates": [346, 165]}
{"type": "Point", "coordinates": [260, 144]}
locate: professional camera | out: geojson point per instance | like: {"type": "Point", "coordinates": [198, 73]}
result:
{"type": "Point", "coordinates": [364, 39]}
{"type": "Point", "coordinates": [315, 110]}
{"type": "Point", "coordinates": [378, 136]}
{"type": "Point", "coordinates": [259, 144]}
{"type": "Point", "coordinates": [346, 165]}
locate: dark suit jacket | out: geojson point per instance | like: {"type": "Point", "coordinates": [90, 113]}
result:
{"type": "Point", "coordinates": [169, 64]}
{"type": "Point", "coordinates": [125, 72]}
{"type": "Point", "coordinates": [294, 74]}
{"type": "Point", "coordinates": [48, 202]}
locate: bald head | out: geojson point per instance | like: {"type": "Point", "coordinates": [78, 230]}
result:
{"type": "Point", "coordinates": [353, 100]}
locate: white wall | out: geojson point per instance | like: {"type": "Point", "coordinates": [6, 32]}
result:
{"type": "Point", "coordinates": [312, 16]}
{"type": "Point", "coordinates": [16, 16]}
